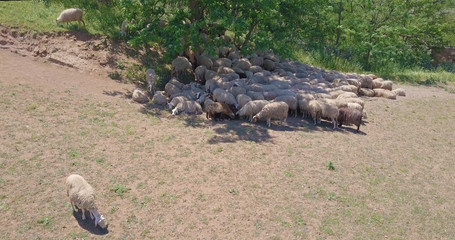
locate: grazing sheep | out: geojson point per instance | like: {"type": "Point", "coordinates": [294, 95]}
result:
{"type": "Point", "coordinates": [223, 96]}
{"type": "Point", "coordinates": [252, 108]}
{"type": "Point", "coordinates": [82, 196]}
{"type": "Point", "coordinates": [70, 15]}
{"type": "Point", "coordinates": [349, 116]}
{"type": "Point", "coordinates": [329, 111]}
{"type": "Point", "coordinates": [243, 99]}
{"type": "Point", "coordinates": [274, 110]}
{"type": "Point", "coordinates": [217, 110]}
{"type": "Point", "coordinates": [315, 110]}
{"type": "Point", "coordinates": [176, 100]}
{"type": "Point", "coordinates": [188, 107]}
{"type": "Point", "coordinates": [291, 101]}
{"type": "Point", "coordinates": [304, 104]}
{"type": "Point", "coordinates": [399, 92]}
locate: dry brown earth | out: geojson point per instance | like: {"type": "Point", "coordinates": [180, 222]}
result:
{"type": "Point", "coordinates": [164, 177]}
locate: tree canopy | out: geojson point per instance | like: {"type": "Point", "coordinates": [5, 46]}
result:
{"type": "Point", "coordinates": [374, 33]}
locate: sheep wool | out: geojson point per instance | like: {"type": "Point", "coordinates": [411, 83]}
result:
{"type": "Point", "coordinates": [70, 15]}
{"type": "Point", "coordinates": [177, 100]}
{"type": "Point", "coordinates": [188, 107]}
{"type": "Point", "coordinates": [349, 116]}
{"type": "Point", "coordinates": [252, 108]}
{"type": "Point", "coordinates": [274, 110]}
{"type": "Point", "coordinates": [223, 96]}
{"type": "Point", "coordinates": [82, 196]}
{"type": "Point", "coordinates": [216, 110]}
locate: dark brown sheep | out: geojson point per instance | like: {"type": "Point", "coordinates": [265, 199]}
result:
{"type": "Point", "coordinates": [349, 116]}
{"type": "Point", "coordinates": [216, 110]}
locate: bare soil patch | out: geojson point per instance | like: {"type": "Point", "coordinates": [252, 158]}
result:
{"type": "Point", "coordinates": [74, 49]}
{"type": "Point", "coordinates": [164, 177]}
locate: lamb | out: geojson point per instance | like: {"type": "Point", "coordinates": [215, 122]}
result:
{"type": "Point", "coordinates": [349, 116]}
{"type": "Point", "coordinates": [216, 110]}
{"type": "Point", "coordinates": [177, 100]}
{"type": "Point", "coordinates": [387, 85]}
{"type": "Point", "coordinates": [275, 110]}
{"type": "Point", "coordinates": [291, 101]}
{"type": "Point", "coordinates": [82, 196]}
{"type": "Point", "coordinates": [188, 107]}
{"type": "Point", "coordinates": [223, 96]}
{"type": "Point", "coordinates": [70, 15]}
{"type": "Point", "coordinates": [252, 108]}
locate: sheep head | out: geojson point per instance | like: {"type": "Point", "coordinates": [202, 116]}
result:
{"type": "Point", "coordinates": [100, 220]}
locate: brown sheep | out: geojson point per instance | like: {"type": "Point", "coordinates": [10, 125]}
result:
{"type": "Point", "coordinates": [349, 116]}
{"type": "Point", "coordinates": [217, 110]}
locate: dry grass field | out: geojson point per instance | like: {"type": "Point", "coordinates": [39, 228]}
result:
{"type": "Point", "coordinates": [163, 177]}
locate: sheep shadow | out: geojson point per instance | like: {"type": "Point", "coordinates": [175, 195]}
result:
{"type": "Point", "coordinates": [89, 224]}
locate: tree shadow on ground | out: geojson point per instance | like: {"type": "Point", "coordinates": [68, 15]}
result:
{"type": "Point", "coordinates": [89, 224]}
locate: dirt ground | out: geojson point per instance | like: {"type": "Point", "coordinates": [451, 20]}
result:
{"type": "Point", "coordinates": [163, 177]}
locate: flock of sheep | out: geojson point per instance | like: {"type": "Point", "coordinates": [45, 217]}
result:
{"type": "Point", "coordinates": [261, 86]}
{"type": "Point", "coordinates": [255, 87]}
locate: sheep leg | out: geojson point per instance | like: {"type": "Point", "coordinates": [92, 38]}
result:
{"type": "Point", "coordinates": [358, 127]}
{"type": "Point", "coordinates": [73, 207]}
{"type": "Point", "coordinates": [92, 216]}
{"type": "Point", "coordinates": [83, 214]}
{"type": "Point", "coordinates": [334, 124]}
{"type": "Point", "coordinates": [268, 122]}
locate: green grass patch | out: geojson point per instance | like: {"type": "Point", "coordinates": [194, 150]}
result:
{"type": "Point", "coordinates": [423, 77]}
{"type": "Point", "coordinates": [326, 61]}
{"type": "Point", "coordinates": [36, 16]}
{"type": "Point", "coordinates": [30, 15]}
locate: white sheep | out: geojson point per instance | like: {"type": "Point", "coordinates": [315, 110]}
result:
{"type": "Point", "coordinates": [291, 101]}
{"type": "Point", "coordinates": [223, 96]}
{"type": "Point", "coordinates": [176, 100]}
{"type": "Point", "coordinates": [70, 15]}
{"type": "Point", "coordinates": [329, 111]}
{"type": "Point", "coordinates": [82, 196]}
{"type": "Point", "coordinates": [274, 110]}
{"type": "Point", "coordinates": [188, 107]}
{"type": "Point", "coordinates": [252, 108]}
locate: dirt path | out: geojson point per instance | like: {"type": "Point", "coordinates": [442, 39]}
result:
{"type": "Point", "coordinates": [161, 177]}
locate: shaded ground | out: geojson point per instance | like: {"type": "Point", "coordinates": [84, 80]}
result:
{"type": "Point", "coordinates": [164, 177]}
